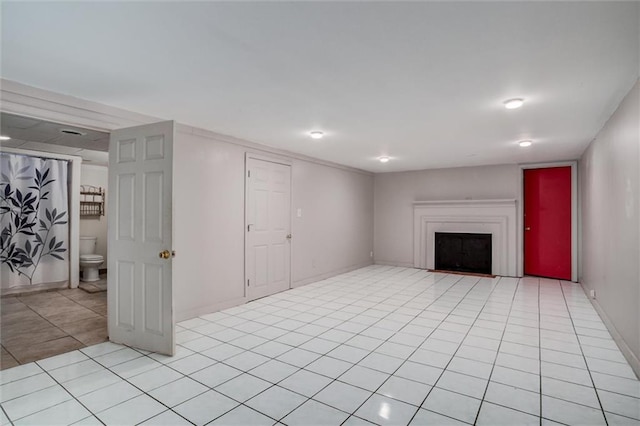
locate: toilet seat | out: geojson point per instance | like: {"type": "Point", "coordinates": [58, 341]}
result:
{"type": "Point", "coordinates": [91, 258]}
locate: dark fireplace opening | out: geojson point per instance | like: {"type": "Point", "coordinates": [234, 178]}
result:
{"type": "Point", "coordinates": [463, 252]}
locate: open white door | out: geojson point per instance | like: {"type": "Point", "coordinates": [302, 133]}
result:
{"type": "Point", "coordinates": [140, 293]}
{"type": "Point", "coordinates": [268, 232]}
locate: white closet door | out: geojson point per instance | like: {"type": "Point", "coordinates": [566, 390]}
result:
{"type": "Point", "coordinates": [268, 238]}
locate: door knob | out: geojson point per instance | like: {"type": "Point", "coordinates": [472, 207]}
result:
{"type": "Point", "coordinates": [288, 236]}
{"type": "Point", "coordinates": [165, 254]}
{"type": "Point", "coordinates": [528, 228]}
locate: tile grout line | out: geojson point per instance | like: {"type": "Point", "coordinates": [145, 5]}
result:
{"type": "Point", "coordinates": [564, 298]}
{"type": "Point", "coordinates": [406, 295]}
{"type": "Point", "coordinates": [539, 347]}
{"type": "Point", "coordinates": [60, 403]}
{"type": "Point", "coordinates": [247, 372]}
{"type": "Point", "coordinates": [353, 365]}
{"type": "Point", "coordinates": [371, 351]}
{"type": "Point", "coordinates": [459, 345]}
{"type": "Point", "coordinates": [321, 355]}
{"type": "Point", "coordinates": [425, 339]}
{"type": "Point", "coordinates": [482, 400]}
{"type": "Point", "coordinates": [127, 381]}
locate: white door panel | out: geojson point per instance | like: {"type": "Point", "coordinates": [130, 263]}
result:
{"type": "Point", "coordinates": [268, 246]}
{"type": "Point", "coordinates": [140, 289]}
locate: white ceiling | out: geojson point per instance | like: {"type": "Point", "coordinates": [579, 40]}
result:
{"type": "Point", "coordinates": [420, 82]}
{"type": "Point", "coordinates": [39, 135]}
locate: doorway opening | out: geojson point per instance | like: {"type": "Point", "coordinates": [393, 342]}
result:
{"type": "Point", "coordinates": [47, 309]}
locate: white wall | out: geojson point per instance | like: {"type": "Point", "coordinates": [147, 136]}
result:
{"type": "Point", "coordinates": [334, 234]}
{"type": "Point", "coordinates": [95, 226]}
{"type": "Point", "coordinates": [610, 188]}
{"type": "Point", "coordinates": [396, 192]}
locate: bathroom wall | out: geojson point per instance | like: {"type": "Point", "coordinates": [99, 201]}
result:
{"type": "Point", "coordinates": [396, 192]}
{"type": "Point", "coordinates": [95, 226]}
{"type": "Point", "coordinates": [334, 234]}
{"type": "Point", "coordinates": [609, 192]}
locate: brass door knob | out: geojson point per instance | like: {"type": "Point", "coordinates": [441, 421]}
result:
{"type": "Point", "coordinates": [165, 254]}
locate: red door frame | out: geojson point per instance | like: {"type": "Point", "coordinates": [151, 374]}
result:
{"type": "Point", "coordinates": [574, 214]}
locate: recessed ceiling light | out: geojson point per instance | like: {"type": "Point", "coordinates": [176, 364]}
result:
{"type": "Point", "coordinates": [383, 159]}
{"type": "Point", "coordinates": [4, 138]}
{"type": "Point", "coordinates": [316, 134]}
{"type": "Point", "coordinates": [524, 144]}
{"type": "Point", "coordinates": [513, 103]}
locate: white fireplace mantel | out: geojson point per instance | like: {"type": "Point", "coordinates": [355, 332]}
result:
{"type": "Point", "coordinates": [495, 217]}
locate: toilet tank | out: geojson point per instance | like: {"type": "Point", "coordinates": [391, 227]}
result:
{"type": "Point", "coordinates": [87, 245]}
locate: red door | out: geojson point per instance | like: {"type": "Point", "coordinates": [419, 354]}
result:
{"type": "Point", "coordinates": [547, 222]}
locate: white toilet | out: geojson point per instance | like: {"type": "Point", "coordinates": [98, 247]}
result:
{"type": "Point", "coordinates": [89, 261]}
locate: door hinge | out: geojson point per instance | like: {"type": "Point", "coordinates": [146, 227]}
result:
{"type": "Point", "coordinates": [248, 283]}
{"type": "Point", "coordinates": [248, 173]}
{"type": "Point", "coordinates": [248, 227]}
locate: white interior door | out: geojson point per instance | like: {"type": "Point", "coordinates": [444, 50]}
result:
{"type": "Point", "coordinates": [140, 295]}
{"type": "Point", "coordinates": [268, 232]}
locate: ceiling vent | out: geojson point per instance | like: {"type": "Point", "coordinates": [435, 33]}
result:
{"type": "Point", "coordinates": [72, 132]}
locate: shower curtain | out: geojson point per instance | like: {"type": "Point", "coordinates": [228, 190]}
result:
{"type": "Point", "coordinates": [34, 227]}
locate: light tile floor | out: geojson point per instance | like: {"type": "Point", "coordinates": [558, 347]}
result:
{"type": "Point", "coordinates": [382, 345]}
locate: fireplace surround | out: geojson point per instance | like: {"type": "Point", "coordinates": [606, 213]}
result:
{"type": "Point", "coordinates": [495, 217]}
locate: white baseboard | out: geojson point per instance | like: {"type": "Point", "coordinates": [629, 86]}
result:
{"type": "Point", "coordinates": [193, 313]}
{"type": "Point", "coordinates": [395, 263]}
{"type": "Point", "coordinates": [209, 309]}
{"type": "Point", "coordinates": [631, 357]}
{"type": "Point", "coordinates": [326, 275]}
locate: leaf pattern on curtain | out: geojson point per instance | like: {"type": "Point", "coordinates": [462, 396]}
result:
{"type": "Point", "coordinates": [27, 236]}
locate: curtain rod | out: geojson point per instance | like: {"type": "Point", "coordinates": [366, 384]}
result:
{"type": "Point", "coordinates": [44, 157]}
